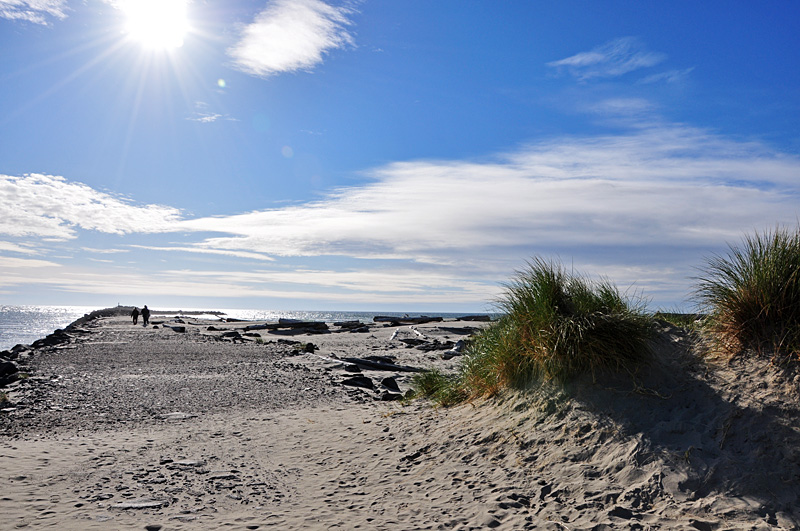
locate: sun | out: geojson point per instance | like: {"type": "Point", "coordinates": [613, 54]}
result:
{"type": "Point", "coordinates": [156, 24]}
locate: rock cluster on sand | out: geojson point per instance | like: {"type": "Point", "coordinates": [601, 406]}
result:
{"type": "Point", "coordinates": [187, 425]}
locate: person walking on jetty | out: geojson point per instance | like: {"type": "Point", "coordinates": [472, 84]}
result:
{"type": "Point", "coordinates": [135, 315]}
{"type": "Point", "coordinates": [145, 315]}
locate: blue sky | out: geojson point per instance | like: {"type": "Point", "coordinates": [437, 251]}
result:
{"type": "Point", "coordinates": [373, 155]}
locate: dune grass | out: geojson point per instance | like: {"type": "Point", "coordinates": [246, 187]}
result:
{"type": "Point", "coordinates": [752, 294]}
{"type": "Point", "coordinates": [555, 326]}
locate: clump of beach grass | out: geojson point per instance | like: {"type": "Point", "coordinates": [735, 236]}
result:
{"type": "Point", "coordinates": [439, 387]}
{"type": "Point", "coordinates": [752, 294]}
{"type": "Point", "coordinates": [555, 325]}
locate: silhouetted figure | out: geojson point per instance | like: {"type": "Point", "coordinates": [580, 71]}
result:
{"type": "Point", "coordinates": [135, 315]}
{"type": "Point", "coordinates": [145, 315]}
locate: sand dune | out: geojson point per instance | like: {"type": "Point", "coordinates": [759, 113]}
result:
{"type": "Point", "coordinates": [133, 428]}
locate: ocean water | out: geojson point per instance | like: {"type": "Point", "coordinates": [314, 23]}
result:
{"type": "Point", "coordinates": [26, 324]}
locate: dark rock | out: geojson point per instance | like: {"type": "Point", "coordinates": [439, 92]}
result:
{"type": "Point", "coordinates": [702, 525]}
{"type": "Point", "coordinates": [8, 380]}
{"type": "Point", "coordinates": [380, 359]}
{"type": "Point", "coordinates": [363, 382]}
{"type": "Point", "coordinates": [351, 367]}
{"type": "Point", "coordinates": [56, 338]}
{"type": "Point", "coordinates": [622, 512]}
{"type": "Point", "coordinates": [181, 329]}
{"type": "Point", "coordinates": [390, 384]}
{"type": "Point", "coordinates": [289, 342]}
{"type": "Point", "coordinates": [412, 342]}
{"type": "Point", "coordinates": [7, 368]}
{"type": "Point", "coordinates": [348, 324]}
{"type": "Point", "coordinates": [386, 396]}
{"type": "Point", "coordinates": [377, 363]}
{"type": "Point", "coordinates": [436, 345]}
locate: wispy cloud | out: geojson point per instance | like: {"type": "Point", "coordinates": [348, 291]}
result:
{"type": "Point", "coordinates": [612, 59]}
{"type": "Point", "coordinates": [199, 249]}
{"type": "Point", "coordinates": [670, 76]}
{"type": "Point", "coordinates": [48, 206]}
{"type": "Point", "coordinates": [104, 251]}
{"type": "Point", "coordinates": [291, 35]}
{"type": "Point", "coordinates": [35, 11]}
{"type": "Point", "coordinates": [621, 107]}
{"type": "Point", "coordinates": [23, 263]}
{"type": "Point", "coordinates": [204, 117]}
{"type": "Point", "coordinates": [14, 248]}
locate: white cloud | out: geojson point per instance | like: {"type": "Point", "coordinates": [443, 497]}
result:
{"type": "Point", "coordinates": [291, 35]}
{"type": "Point", "coordinates": [7, 262]}
{"type": "Point", "coordinates": [14, 248]}
{"type": "Point", "coordinates": [48, 206]}
{"type": "Point", "coordinates": [205, 250]}
{"type": "Point", "coordinates": [612, 59]}
{"type": "Point", "coordinates": [674, 185]}
{"type": "Point", "coordinates": [204, 117]}
{"type": "Point", "coordinates": [104, 251]}
{"type": "Point", "coordinates": [36, 11]}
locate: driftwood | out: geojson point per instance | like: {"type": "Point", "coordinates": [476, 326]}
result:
{"type": "Point", "coordinates": [466, 331]}
{"type": "Point", "coordinates": [406, 320]}
{"type": "Point", "coordinates": [483, 318]}
{"type": "Point", "coordinates": [290, 324]}
{"type": "Point", "coordinates": [381, 365]}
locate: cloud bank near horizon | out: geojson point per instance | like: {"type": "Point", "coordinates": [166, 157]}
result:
{"type": "Point", "coordinates": [631, 207]}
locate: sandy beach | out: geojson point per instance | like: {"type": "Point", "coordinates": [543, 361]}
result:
{"type": "Point", "coordinates": [188, 424]}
